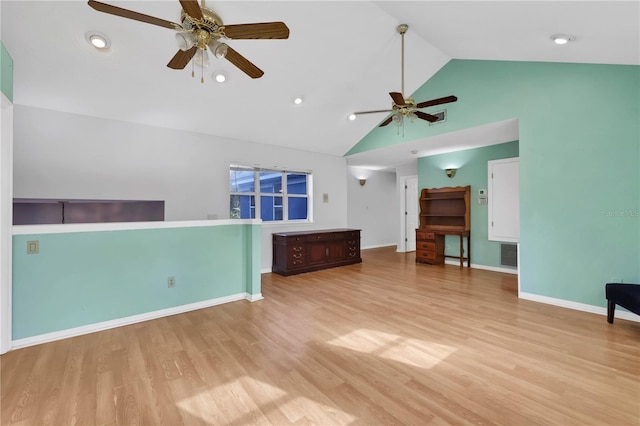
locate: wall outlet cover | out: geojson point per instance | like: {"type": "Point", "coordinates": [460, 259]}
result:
{"type": "Point", "coordinates": [33, 247]}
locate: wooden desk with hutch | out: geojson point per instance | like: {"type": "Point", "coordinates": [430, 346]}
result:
{"type": "Point", "coordinates": [443, 211]}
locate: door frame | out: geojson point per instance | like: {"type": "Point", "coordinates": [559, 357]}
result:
{"type": "Point", "coordinates": [402, 183]}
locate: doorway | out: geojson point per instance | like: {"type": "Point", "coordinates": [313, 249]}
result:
{"type": "Point", "coordinates": [408, 213]}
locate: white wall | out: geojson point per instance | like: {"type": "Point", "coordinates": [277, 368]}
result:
{"type": "Point", "coordinates": [372, 207]}
{"type": "Point", "coordinates": [62, 155]}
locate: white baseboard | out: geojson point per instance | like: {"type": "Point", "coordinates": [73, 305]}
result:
{"type": "Point", "coordinates": [254, 297]}
{"type": "Point", "coordinates": [619, 313]}
{"type": "Point", "coordinates": [106, 325]}
{"type": "Point", "coordinates": [265, 271]}
{"type": "Point", "coordinates": [378, 246]}
{"type": "Point", "coordinates": [485, 267]}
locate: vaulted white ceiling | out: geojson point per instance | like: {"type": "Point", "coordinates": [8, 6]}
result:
{"type": "Point", "coordinates": [342, 56]}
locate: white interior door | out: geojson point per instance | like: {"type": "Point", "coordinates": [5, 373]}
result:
{"type": "Point", "coordinates": [411, 212]}
{"type": "Point", "coordinates": [504, 200]}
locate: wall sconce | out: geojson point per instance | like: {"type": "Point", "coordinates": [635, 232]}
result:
{"type": "Point", "coordinates": [362, 181]}
{"type": "Point", "coordinates": [450, 172]}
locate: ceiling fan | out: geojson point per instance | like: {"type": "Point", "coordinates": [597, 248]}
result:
{"type": "Point", "coordinates": [201, 28]}
{"type": "Point", "coordinates": [402, 107]}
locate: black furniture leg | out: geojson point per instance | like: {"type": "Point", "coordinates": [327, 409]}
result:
{"type": "Point", "coordinates": [611, 308]}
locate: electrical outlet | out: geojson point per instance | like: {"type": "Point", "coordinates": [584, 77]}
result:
{"type": "Point", "coordinates": [171, 282]}
{"type": "Point", "coordinates": [33, 247]}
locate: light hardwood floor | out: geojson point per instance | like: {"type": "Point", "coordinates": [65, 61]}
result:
{"type": "Point", "coordinates": [383, 342]}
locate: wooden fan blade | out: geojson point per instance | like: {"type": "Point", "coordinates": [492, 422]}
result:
{"type": "Point", "coordinates": [438, 101]}
{"type": "Point", "coordinates": [423, 115]}
{"type": "Point", "coordinates": [192, 8]}
{"type": "Point", "coordinates": [397, 97]}
{"type": "Point", "coordinates": [385, 122]}
{"type": "Point", "coordinates": [182, 58]}
{"type": "Point", "coordinates": [372, 112]}
{"type": "Point", "coordinates": [243, 64]}
{"type": "Point", "coordinates": [264, 30]}
{"type": "Point", "coordinates": [125, 13]}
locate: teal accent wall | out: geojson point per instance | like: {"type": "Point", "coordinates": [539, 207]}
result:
{"type": "Point", "coordinates": [472, 170]}
{"type": "Point", "coordinates": [579, 148]}
{"type": "Point", "coordinates": [6, 73]}
{"type": "Point", "coordinates": [84, 278]}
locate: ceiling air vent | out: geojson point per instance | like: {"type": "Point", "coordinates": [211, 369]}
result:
{"type": "Point", "coordinates": [442, 116]}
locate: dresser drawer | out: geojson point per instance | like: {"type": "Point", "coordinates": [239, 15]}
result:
{"type": "Point", "coordinates": [296, 256]}
{"type": "Point", "coordinates": [424, 235]}
{"type": "Point", "coordinates": [295, 249]}
{"type": "Point", "coordinates": [426, 255]}
{"type": "Point", "coordinates": [321, 237]}
{"type": "Point", "coordinates": [289, 239]}
{"type": "Point", "coordinates": [424, 245]}
{"type": "Point", "coordinates": [352, 234]}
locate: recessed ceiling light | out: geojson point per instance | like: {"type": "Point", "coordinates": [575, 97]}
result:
{"type": "Point", "coordinates": [220, 77]}
{"type": "Point", "coordinates": [297, 100]}
{"type": "Point", "coordinates": [352, 117]}
{"type": "Point", "coordinates": [98, 40]}
{"type": "Point", "coordinates": [562, 38]}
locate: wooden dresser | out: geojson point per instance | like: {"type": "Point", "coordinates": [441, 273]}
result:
{"type": "Point", "coordinates": [443, 211]}
{"type": "Point", "coordinates": [297, 252]}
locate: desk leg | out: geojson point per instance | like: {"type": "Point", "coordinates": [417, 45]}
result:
{"type": "Point", "coordinates": [469, 251]}
{"type": "Point", "coordinates": [461, 253]}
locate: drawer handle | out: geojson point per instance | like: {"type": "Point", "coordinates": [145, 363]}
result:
{"type": "Point", "coordinates": [297, 262]}
{"type": "Point", "coordinates": [352, 254]}
{"type": "Point", "coordinates": [297, 255]}
{"type": "Point", "coordinates": [298, 248]}
{"type": "Point", "coordinates": [352, 248]}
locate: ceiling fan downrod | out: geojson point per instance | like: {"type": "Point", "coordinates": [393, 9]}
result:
{"type": "Point", "coordinates": [402, 28]}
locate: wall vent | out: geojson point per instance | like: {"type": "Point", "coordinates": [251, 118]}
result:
{"type": "Point", "coordinates": [509, 255]}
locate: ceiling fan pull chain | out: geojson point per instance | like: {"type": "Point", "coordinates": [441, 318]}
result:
{"type": "Point", "coordinates": [193, 70]}
{"type": "Point", "coordinates": [202, 72]}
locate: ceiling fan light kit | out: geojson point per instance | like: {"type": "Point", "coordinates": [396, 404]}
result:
{"type": "Point", "coordinates": [200, 29]}
{"type": "Point", "coordinates": [402, 108]}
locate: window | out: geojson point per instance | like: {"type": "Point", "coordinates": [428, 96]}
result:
{"type": "Point", "coordinates": [278, 195]}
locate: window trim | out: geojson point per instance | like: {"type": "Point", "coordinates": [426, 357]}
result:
{"type": "Point", "coordinates": [257, 194]}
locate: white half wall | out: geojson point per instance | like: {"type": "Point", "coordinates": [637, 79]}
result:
{"type": "Point", "coordinates": [6, 210]}
{"type": "Point", "coordinates": [63, 155]}
{"type": "Point", "coordinates": [372, 206]}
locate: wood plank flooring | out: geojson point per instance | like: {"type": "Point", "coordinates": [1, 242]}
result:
{"type": "Point", "coordinates": [384, 342]}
